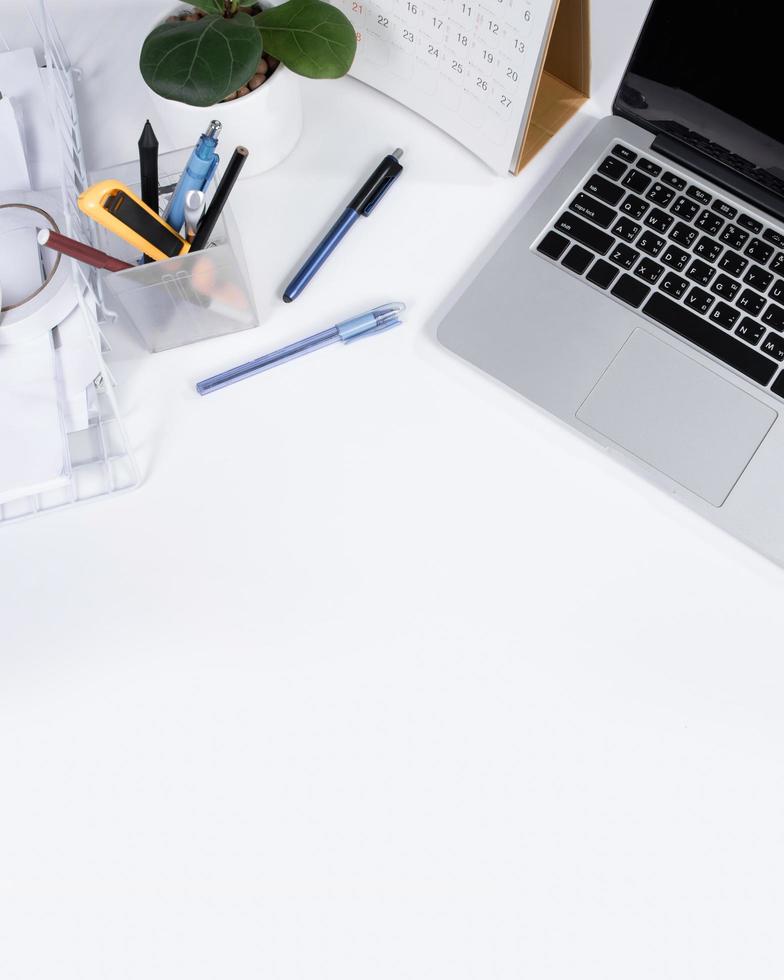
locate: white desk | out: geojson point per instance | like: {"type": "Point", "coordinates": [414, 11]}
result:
{"type": "Point", "coordinates": [381, 674]}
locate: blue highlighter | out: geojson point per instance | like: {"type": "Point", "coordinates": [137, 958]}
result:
{"type": "Point", "coordinates": [196, 176]}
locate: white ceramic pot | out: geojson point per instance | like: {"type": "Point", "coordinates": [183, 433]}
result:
{"type": "Point", "coordinates": [268, 121]}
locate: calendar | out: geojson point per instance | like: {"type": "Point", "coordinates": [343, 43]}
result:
{"type": "Point", "coordinates": [472, 67]}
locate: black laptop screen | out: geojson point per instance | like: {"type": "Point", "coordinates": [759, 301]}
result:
{"type": "Point", "coordinates": [711, 69]}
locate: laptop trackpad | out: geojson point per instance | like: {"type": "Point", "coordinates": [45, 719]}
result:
{"type": "Point", "coordinates": [677, 416]}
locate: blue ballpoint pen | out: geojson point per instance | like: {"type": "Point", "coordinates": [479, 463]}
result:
{"type": "Point", "coordinates": [365, 325]}
{"type": "Point", "coordinates": [196, 176]}
{"type": "Point", "coordinates": [368, 196]}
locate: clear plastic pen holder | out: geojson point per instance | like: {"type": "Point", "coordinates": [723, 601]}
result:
{"type": "Point", "coordinates": [191, 297]}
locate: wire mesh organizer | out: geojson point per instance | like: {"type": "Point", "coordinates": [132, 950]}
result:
{"type": "Point", "coordinates": [99, 457]}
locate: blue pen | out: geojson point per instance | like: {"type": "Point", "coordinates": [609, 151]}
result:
{"type": "Point", "coordinates": [368, 196]}
{"type": "Point", "coordinates": [365, 325]}
{"type": "Point", "coordinates": [196, 175]}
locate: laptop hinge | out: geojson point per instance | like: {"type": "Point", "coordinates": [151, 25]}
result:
{"type": "Point", "coordinates": [725, 177]}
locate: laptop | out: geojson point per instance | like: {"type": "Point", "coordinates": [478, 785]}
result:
{"type": "Point", "coordinates": [641, 299]}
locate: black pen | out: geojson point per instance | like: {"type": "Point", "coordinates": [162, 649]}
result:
{"type": "Point", "coordinates": [218, 202]}
{"type": "Point", "coordinates": [366, 198]}
{"type": "Point", "coordinates": [148, 170]}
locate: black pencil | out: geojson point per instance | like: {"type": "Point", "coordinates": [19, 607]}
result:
{"type": "Point", "coordinates": [148, 169]}
{"type": "Point", "coordinates": [218, 202]}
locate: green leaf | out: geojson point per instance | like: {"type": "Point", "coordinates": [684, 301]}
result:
{"type": "Point", "coordinates": [310, 37]}
{"type": "Point", "coordinates": [200, 62]}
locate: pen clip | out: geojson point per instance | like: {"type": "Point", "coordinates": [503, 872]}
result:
{"type": "Point", "coordinates": [380, 192]}
{"type": "Point", "coordinates": [211, 172]}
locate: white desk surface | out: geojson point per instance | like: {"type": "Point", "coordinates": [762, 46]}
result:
{"type": "Point", "coordinates": [381, 674]}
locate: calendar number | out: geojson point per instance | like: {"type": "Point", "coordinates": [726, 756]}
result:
{"type": "Point", "coordinates": [457, 67]}
{"type": "Point", "coordinates": [383, 21]}
{"type": "Point", "coordinates": [356, 7]}
{"type": "Point", "coordinates": [488, 56]}
{"type": "Point", "coordinates": [409, 36]}
{"type": "Point", "coordinates": [432, 49]}
{"type": "Point", "coordinates": [506, 101]}
{"type": "Point", "coordinates": [481, 83]}
{"type": "Point", "coordinates": [527, 16]}
{"type": "Point", "coordinates": [462, 39]}
{"type": "Point", "coordinates": [438, 24]}
{"type": "Point", "coordinates": [466, 9]}
{"type": "Point", "coordinates": [412, 8]}
{"type": "Point", "coordinates": [511, 73]}
{"type": "Point", "coordinates": [492, 26]}
{"type": "Point", "coordinates": [519, 45]}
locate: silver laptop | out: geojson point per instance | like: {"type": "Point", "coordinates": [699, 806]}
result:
{"type": "Point", "coordinates": [641, 299]}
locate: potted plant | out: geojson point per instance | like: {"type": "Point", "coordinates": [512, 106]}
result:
{"type": "Point", "coordinates": [215, 59]}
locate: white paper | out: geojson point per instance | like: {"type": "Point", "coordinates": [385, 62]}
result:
{"type": "Point", "coordinates": [20, 80]}
{"type": "Point", "coordinates": [14, 174]}
{"type": "Point", "coordinates": [468, 67]}
{"type": "Point", "coordinates": [79, 366]}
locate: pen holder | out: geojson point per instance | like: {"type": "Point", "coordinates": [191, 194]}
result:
{"type": "Point", "coordinates": [189, 298]}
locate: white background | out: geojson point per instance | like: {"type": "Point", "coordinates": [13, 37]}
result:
{"type": "Point", "coordinates": [381, 674]}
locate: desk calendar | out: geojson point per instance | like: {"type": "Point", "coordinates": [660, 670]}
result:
{"type": "Point", "coordinates": [482, 70]}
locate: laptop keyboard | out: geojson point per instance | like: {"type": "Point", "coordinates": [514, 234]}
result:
{"type": "Point", "coordinates": [658, 242]}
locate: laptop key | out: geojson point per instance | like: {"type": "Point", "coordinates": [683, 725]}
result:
{"type": "Point", "coordinates": [774, 317]}
{"type": "Point", "coordinates": [624, 256]}
{"type": "Point", "coordinates": [698, 194]}
{"type": "Point", "coordinates": [751, 302]}
{"type": "Point", "coordinates": [552, 245]}
{"type": "Point", "coordinates": [600, 214]}
{"type": "Point", "coordinates": [725, 316]}
{"type": "Point", "coordinates": [649, 167]}
{"type": "Point", "coordinates": [630, 290]}
{"type": "Point", "coordinates": [624, 153]}
{"type": "Point", "coordinates": [725, 287]}
{"type": "Point", "coordinates": [604, 189]}
{"type": "Point", "coordinates": [707, 249]}
{"type": "Point", "coordinates": [584, 233]}
{"type": "Point", "coordinates": [750, 330]}
{"type": "Point", "coordinates": [711, 224]}
{"type": "Point", "coordinates": [734, 237]}
{"type": "Point", "coordinates": [626, 229]}
{"type": "Point", "coordinates": [674, 285]}
{"type": "Point", "coordinates": [758, 278]}
{"type": "Point", "coordinates": [650, 244]}
{"type": "Point", "coordinates": [699, 331]}
{"type": "Point", "coordinates": [675, 257]}
{"type": "Point", "coordinates": [700, 272]}
{"type": "Point", "coordinates": [778, 263]}
{"type": "Point", "coordinates": [733, 263]}
{"type": "Point", "coordinates": [602, 274]}
{"type": "Point", "coordinates": [613, 168]}
{"type": "Point", "coordinates": [774, 345]}
{"type": "Point", "coordinates": [674, 181]}
{"type": "Point", "coordinates": [759, 251]}
{"type": "Point", "coordinates": [685, 209]}
{"type": "Point", "coordinates": [699, 300]}
{"type": "Point", "coordinates": [659, 220]}
{"type": "Point", "coordinates": [648, 270]}
{"type": "Point", "coordinates": [683, 235]}
{"type": "Point", "coordinates": [749, 223]}
{"type": "Point", "coordinates": [777, 291]}
{"type": "Point", "coordinates": [724, 209]}
{"type": "Point", "coordinates": [634, 207]}
{"type": "Point", "coordinates": [636, 181]}
{"type": "Point", "coordinates": [577, 259]}
{"type": "Point", "coordinates": [660, 194]}
{"type": "Point", "coordinates": [774, 237]}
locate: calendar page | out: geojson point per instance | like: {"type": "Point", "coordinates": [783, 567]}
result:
{"type": "Point", "coordinates": [469, 66]}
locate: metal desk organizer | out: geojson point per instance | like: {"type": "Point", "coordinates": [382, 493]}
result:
{"type": "Point", "coordinates": [99, 461]}
{"type": "Point", "coordinates": [189, 298]}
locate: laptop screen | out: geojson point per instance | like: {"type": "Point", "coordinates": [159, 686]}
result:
{"type": "Point", "coordinates": [710, 72]}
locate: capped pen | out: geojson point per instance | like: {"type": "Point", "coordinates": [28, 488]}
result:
{"type": "Point", "coordinates": [365, 325]}
{"type": "Point", "coordinates": [362, 204]}
{"type": "Point", "coordinates": [197, 174]}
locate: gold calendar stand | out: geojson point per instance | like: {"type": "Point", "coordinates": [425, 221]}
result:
{"type": "Point", "coordinates": [565, 80]}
